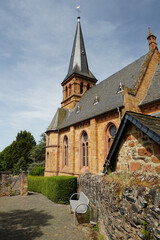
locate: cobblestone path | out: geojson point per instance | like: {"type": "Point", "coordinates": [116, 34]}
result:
{"type": "Point", "coordinates": [35, 217]}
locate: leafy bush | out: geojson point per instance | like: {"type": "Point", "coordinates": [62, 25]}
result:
{"type": "Point", "coordinates": [37, 170]}
{"type": "Point", "coordinates": [58, 189]}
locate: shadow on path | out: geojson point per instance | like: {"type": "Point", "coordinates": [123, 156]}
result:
{"type": "Point", "coordinates": [23, 225]}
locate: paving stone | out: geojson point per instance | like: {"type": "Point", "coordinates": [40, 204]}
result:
{"type": "Point", "coordinates": [34, 217]}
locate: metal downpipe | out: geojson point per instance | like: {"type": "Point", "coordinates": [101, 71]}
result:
{"type": "Point", "coordinates": [57, 152]}
{"type": "Point", "coordinates": [119, 112]}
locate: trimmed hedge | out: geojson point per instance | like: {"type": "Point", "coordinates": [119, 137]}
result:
{"type": "Point", "coordinates": [58, 189]}
{"type": "Point", "coordinates": [37, 171]}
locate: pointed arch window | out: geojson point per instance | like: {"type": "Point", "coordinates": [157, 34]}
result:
{"type": "Point", "coordinates": [84, 150]}
{"type": "Point", "coordinates": [65, 152]}
{"type": "Point", "coordinates": [81, 88]}
{"type": "Point", "coordinates": [66, 91]}
{"type": "Point", "coordinates": [88, 86]}
{"type": "Point", "coordinates": [69, 89]}
{"type": "Point", "coordinates": [110, 135]}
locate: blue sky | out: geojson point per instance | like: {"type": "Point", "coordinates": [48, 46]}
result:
{"type": "Point", "coordinates": [36, 38]}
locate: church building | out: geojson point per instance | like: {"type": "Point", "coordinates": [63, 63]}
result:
{"type": "Point", "coordinates": [82, 131]}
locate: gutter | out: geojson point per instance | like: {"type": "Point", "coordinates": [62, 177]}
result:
{"type": "Point", "coordinates": [57, 152]}
{"type": "Point", "coordinates": [119, 112]}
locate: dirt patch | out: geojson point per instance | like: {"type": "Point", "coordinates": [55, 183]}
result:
{"type": "Point", "coordinates": [89, 232]}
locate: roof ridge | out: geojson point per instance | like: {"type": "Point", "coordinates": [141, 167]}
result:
{"type": "Point", "coordinates": [143, 101]}
{"type": "Point", "coordinates": [142, 72]}
{"type": "Point", "coordinates": [122, 69]}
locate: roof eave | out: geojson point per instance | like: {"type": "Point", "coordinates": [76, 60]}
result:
{"type": "Point", "coordinates": [75, 74]}
{"type": "Point", "coordinates": [93, 116]}
{"type": "Point", "coordinates": [126, 119]}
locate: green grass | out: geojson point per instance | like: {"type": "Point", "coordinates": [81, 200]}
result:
{"type": "Point", "coordinates": [101, 237]}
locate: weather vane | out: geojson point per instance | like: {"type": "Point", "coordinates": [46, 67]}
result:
{"type": "Point", "coordinates": [78, 10]}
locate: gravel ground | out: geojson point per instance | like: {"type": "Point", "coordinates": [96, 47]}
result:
{"type": "Point", "coordinates": [34, 217]}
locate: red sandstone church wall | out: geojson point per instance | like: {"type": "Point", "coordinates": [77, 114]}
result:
{"type": "Point", "coordinates": [96, 131]}
{"type": "Point", "coordinates": [103, 123]}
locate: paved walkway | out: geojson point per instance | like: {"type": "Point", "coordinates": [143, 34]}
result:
{"type": "Point", "coordinates": [35, 217]}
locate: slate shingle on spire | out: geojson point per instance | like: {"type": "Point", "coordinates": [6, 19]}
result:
{"type": "Point", "coordinates": [78, 62]}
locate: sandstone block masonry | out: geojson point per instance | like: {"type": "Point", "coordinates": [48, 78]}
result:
{"type": "Point", "coordinates": [128, 206]}
{"type": "Point", "coordinates": [13, 185]}
{"type": "Point", "coordinates": [137, 152]}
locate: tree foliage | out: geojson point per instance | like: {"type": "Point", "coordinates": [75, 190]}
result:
{"type": "Point", "coordinates": [16, 155]}
{"type": "Point", "coordinates": [37, 153]}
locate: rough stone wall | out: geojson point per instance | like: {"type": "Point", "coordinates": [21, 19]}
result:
{"type": "Point", "coordinates": [138, 152]}
{"type": "Point", "coordinates": [13, 184]}
{"type": "Point", "coordinates": [124, 211]}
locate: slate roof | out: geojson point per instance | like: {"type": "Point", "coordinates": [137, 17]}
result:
{"type": "Point", "coordinates": [153, 93]}
{"type": "Point", "coordinates": [58, 118]}
{"type": "Point", "coordinates": [147, 124]}
{"type": "Point", "coordinates": [78, 62]}
{"type": "Point", "coordinates": [106, 93]}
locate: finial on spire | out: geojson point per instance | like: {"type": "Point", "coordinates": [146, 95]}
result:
{"type": "Point", "coordinates": [151, 39]}
{"type": "Point", "coordinates": [78, 11]}
{"type": "Point", "coordinates": [150, 33]}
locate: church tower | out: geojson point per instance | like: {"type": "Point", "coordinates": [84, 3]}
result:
{"type": "Point", "coordinates": [79, 77]}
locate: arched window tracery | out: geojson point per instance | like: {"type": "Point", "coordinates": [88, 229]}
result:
{"type": "Point", "coordinates": [65, 152]}
{"type": "Point", "coordinates": [66, 91]}
{"type": "Point", "coordinates": [84, 150]}
{"type": "Point", "coordinates": [70, 90]}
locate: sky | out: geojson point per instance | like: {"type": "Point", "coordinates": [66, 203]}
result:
{"type": "Point", "coordinates": [36, 39]}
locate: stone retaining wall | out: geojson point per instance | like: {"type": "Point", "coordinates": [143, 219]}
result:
{"type": "Point", "coordinates": [13, 185]}
{"type": "Point", "coordinates": [124, 212]}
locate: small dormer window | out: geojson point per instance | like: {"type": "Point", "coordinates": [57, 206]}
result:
{"type": "Point", "coordinates": [96, 100]}
{"type": "Point", "coordinates": [78, 109]}
{"type": "Point", "coordinates": [120, 88]}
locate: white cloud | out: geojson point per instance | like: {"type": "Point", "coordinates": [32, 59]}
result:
{"type": "Point", "coordinates": [36, 39]}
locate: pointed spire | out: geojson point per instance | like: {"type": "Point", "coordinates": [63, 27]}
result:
{"type": "Point", "coordinates": [150, 33]}
{"type": "Point", "coordinates": [78, 62]}
{"type": "Point", "coordinates": [151, 39]}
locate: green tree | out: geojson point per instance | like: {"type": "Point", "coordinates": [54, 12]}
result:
{"type": "Point", "coordinates": [16, 155]}
{"type": "Point", "coordinates": [37, 153]}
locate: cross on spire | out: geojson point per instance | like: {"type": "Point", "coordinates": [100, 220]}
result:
{"type": "Point", "coordinates": [78, 10]}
